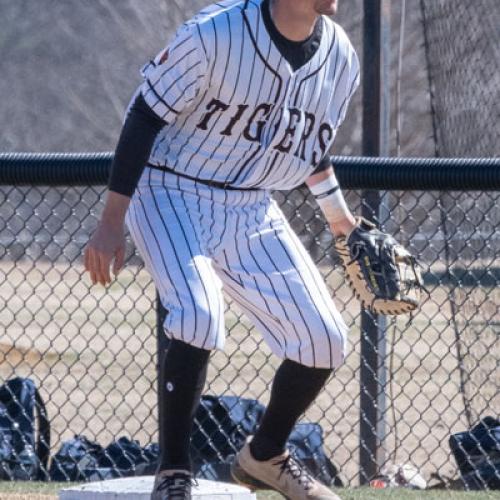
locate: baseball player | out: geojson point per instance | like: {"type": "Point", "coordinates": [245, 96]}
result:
{"type": "Point", "coordinates": [246, 98]}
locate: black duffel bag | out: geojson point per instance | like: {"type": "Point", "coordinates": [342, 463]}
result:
{"type": "Point", "coordinates": [24, 432]}
{"type": "Point", "coordinates": [477, 453]}
{"type": "Point", "coordinates": [80, 459]}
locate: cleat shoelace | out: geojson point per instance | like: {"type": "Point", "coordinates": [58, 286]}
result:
{"type": "Point", "coordinates": [177, 486]}
{"type": "Point", "coordinates": [298, 472]}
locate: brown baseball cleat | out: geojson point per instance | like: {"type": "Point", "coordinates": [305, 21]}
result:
{"type": "Point", "coordinates": [282, 473]}
{"type": "Point", "coordinates": [172, 485]}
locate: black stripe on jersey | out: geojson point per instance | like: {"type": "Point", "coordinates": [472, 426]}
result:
{"type": "Point", "coordinates": [298, 267]}
{"type": "Point", "coordinates": [146, 67]}
{"type": "Point", "coordinates": [181, 127]}
{"type": "Point", "coordinates": [318, 69]}
{"type": "Point", "coordinates": [250, 80]}
{"type": "Point", "coordinates": [239, 170]}
{"type": "Point", "coordinates": [183, 94]}
{"type": "Point", "coordinates": [264, 275]}
{"type": "Point", "coordinates": [181, 76]}
{"type": "Point", "coordinates": [265, 172]}
{"type": "Point", "coordinates": [278, 108]}
{"type": "Point", "coordinates": [301, 250]}
{"type": "Point", "coordinates": [175, 252]}
{"type": "Point", "coordinates": [242, 47]}
{"type": "Point", "coordinates": [259, 53]}
{"type": "Point", "coordinates": [236, 279]}
{"type": "Point", "coordinates": [291, 295]}
{"type": "Point", "coordinates": [201, 40]}
{"type": "Point", "coordinates": [160, 98]}
{"type": "Point", "coordinates": [169, 68]}
{"type": "Point", "coordinates": [138, 228]}
{"type": "Point", "coordinates": [188, 87]}
{"type": "Point", "coordinates": [294, 163]}
{"type": "Point", "coordinates": [225, 224]}
{"type": "Point", "coordinates": [179, 130]}
{"type": "Point", "coordinates": [298, 173]}
{"type": "Point", "coordinates": [170, 51]}
{"type": "Point", "coordinates": [193, 260]}
{"type": "Point", "coordinates": [248, 307]}
{"type": "Point", "coordinates": [216, 48]}
{"type": "Point", "coordinates": [228, 54]}
{"type": "Point", "coordinates": [200, 245]}
{"type": "Point", "coordinates": [210, 231]}
{"type": "Point", "coordinates": [188, 139]}
{"type": "Point", "coordinates": [221, 141]}
{"type": "Point", "coordinates": [269, 171]}
{"type": "Point", "coordinates": [152, 85]}
{"type": "Point", "coordinates": [216, 121]}
{"type": "Point", "coordinates": [336, 84]}
{"type": "Point", "coordinates": [179, 45]}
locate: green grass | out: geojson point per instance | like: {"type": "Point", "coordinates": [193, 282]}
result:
{"type": "Point", "coordinates": [399, 494]}
{"type": "Point", "coordinates": [20, 487]}
{"type": "Point", "coordinates": [345, 494]}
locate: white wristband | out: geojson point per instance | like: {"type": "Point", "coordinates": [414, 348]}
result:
{"type": "Point", "coordinates": [330, 199]}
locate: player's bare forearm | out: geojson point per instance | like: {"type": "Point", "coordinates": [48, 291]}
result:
{"type": "Point", "coordinates": [115, 208]}
{"type": "Point", "coordinates": [337, 214]}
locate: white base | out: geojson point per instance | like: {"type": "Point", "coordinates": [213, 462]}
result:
{"type": "Point", "coordinates": [139, 488]}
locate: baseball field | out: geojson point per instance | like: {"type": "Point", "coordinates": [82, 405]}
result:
{"type": "Point", "coordinates": [93, 356]}
{"type": "Point", "coordinates": [41, 491]}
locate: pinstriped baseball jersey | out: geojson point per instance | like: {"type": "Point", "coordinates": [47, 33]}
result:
{"type": "Point", "coordinates": [240, 110]}
{"type": "Point", "coordinates": [236, 111]}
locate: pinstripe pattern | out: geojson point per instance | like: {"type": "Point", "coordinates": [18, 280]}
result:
{"type": "Point", "coordinates": [236, 111]}
{"type": "Point", "coordinates": [197, 240]}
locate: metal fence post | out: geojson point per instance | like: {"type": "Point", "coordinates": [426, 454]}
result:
{"type": "Point", "coordinates": [162, 346]}
{"type": "Point", "coordinates": [376, 136]}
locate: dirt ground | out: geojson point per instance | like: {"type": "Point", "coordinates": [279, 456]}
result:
{"type": "Point", "coordinates": [92, 353]}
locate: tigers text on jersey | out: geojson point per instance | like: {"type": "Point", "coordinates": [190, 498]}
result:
{"type": "Point", "coordinates": [236, 111]}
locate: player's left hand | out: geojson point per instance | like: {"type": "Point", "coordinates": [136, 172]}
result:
{"type": "Point", "coordinates": [384, 275]}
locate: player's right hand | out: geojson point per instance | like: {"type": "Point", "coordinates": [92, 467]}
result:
{"type": "Point", "coordinates": [106, 245]}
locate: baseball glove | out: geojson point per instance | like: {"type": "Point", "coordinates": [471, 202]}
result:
{"type": "Point", "coordinates": [385, 277]}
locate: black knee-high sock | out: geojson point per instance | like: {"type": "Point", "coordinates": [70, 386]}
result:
{"type": "Point", "coordinates": [184, 375]}
{"type": "Point", "coordinates": [294, 388]}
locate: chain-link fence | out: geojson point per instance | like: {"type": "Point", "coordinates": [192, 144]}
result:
{"type": "Point", "coordinates": [462, 63]}
{"type": "Point", "coordinates": [92, 351]}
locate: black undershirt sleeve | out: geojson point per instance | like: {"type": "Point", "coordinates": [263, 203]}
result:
{"type": "Point", "coordinates": [138, 134]}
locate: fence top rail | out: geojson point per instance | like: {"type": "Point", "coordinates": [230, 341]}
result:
{"type": "Point", "coordinates": [85, 169]}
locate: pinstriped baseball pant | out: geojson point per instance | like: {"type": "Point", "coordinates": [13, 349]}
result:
{"type": "Point", "coordinates": [197, 241]}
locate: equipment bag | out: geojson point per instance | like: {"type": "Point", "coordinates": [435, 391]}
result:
{"type": "Point", "coordinates": [24, 441]}
{"type": "Point", "coordinates": [477, 453]}
{"type": "Point", "coordinates": [80, 459]}
{"type": "Point", "coordinates": [222, 425]}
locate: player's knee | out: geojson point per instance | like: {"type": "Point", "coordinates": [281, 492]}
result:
{"type": "Point", "coordinates": [200, 325]}
{"type": "Point", "coordinates": [332, 348]}
{"type": "Point", "coordinates": [338, 347]}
